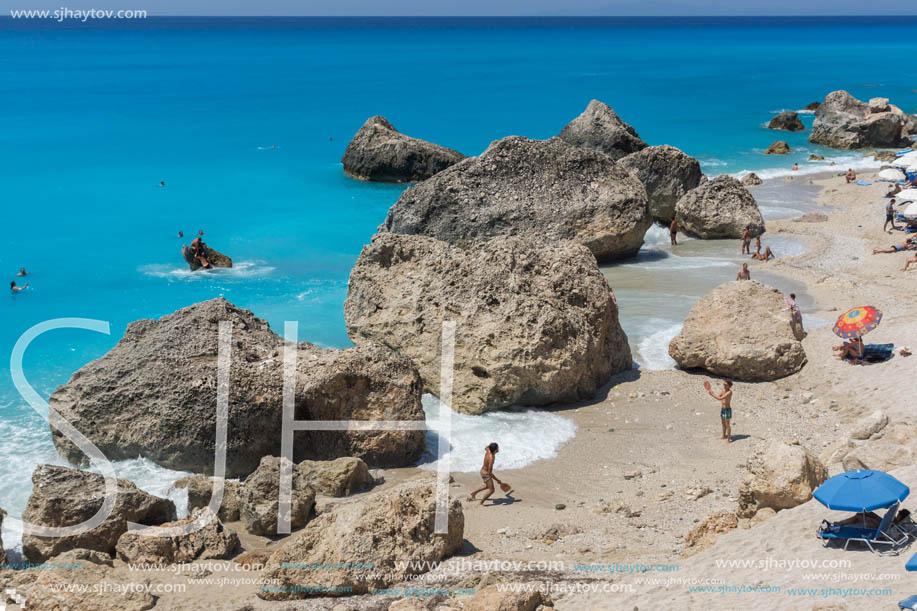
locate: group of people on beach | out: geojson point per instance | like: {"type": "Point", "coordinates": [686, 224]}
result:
{"type": "Point", "coordinates": [889, 226]}
{"type": "Point", "coordinates": [15, 288]}
{"type": "Point", "coordinates": [767, 255]}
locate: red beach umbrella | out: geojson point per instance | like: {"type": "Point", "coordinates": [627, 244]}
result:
{"type": "Point", "coordinates": [857, 322]}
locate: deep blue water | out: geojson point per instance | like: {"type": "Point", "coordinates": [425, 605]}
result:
{"type": "Point", "coordinates": [95, 115]}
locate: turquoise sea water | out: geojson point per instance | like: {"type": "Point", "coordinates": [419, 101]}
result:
{"type": "Point", "coordinates": [95, 115]}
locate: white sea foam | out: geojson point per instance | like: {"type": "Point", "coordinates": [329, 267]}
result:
{"type": "Point", "coordinates": [653, 350]}
{"type": "Point", "coordinates": [525, 435]}
{"type": "Point", "coordinates": [842, 162]}
{"type": "Point", "coordinates": [240, 270]}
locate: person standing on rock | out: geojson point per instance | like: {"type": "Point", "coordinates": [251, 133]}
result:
{"type": "Point", "coordinates": [725, 400]}
{"type": "Point", "coordinates": [673, 231]}
{"type": "Point", "coordinates": [487, 474]}
{"type": "Point", "coordinates": [746, 240]}
{"type": "Point", "coordinates": [744, 274]}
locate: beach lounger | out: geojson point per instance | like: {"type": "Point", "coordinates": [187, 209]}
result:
{"type": "Point", "coordinates": [885, 534]}
{"type": "Point", "coordinates": [909, 603]}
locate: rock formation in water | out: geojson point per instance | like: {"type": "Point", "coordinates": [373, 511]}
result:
{"type": "Point", "coordinates": [719, 208]}
{"type": "Point", "coordinates": [844, 122]}
{"type": "Point", "coordinates": [667, 174]}
{"type": "Point", "coordinates": [545, 191]}
{"type": "Point", "coordinates": [380, 153]}
{"type": "Point", "coordinates": [787, 121]}
{"type": "Point", "coordinates": [599, 128]}
{"type": "Point", "coordinates": [67, 497]}
{"type": "Point", "coordinates": [751, 179]}
{"type": "Point", "coordinates": [778, 147]}
{"type": "Point", "coordinates": [742, 330]}
{"type": "Point", "coordinates": [154, 395]}
{"type": "Point", "coordinates": [534, 325]}
{"type": "Point", "coordinates": [366, 537]}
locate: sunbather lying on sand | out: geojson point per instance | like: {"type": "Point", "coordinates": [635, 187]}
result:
{"type": "Point", "coordinates": [853, 350]}
{"type": "Point", "coordinates": [906, 245]}
{"type": "Point", "coordinates": [768, 254]}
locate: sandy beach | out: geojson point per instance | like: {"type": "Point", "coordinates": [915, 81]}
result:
{"type": "Point", "coordinates": [647, 465]}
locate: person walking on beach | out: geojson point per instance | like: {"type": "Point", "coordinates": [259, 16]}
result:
{"type": "Point", "coordinates": [487, 474]}
{"type": "Point", "coordinates": [746, 240]}
{"type": "Point", "coordinates": [15, 289]}
{"type": "Point", "coordinates": [725, 399]}
{"type": "Point", "coordinates": [673, 230]}
{"type": "Point", "coordinates": [889, 215]}
{"type": "Point", "coordinates": [744, 274]}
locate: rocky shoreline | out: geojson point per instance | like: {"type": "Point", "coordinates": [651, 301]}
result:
{"type": "Point", "coordinates": [472, 243]}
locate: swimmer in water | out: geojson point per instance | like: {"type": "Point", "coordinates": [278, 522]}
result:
{"type": "Point", "coordinates": [162, 183]}
{"type": "Point", "coordinates": [200, 232]}
{"type": "Point", "coordinates": [795, 166]}
{"type": "Point", "coordinates": [181, 234]}
{"type": "Point", "coordinates": [16, 289]}
{"type": "Point", "coordinates": [22, 272]}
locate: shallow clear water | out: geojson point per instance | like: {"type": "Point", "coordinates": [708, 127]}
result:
{"type": "Point", "coordinates": [96, 115]}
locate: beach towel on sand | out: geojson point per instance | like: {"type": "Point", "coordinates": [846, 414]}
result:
{"type": "Point", "coordinates": [878, 352]}
{"type": "Point", "coordinates": [863, 183]}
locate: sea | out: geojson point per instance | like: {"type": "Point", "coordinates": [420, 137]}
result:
{"type": "Point", "coordinates": [245, 120]}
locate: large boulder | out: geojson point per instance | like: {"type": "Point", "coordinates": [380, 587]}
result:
{"type": "Point", "coordinates": [67, 497]}
{"type": "Point", "coordinates": [200, 489]}
{"type": "Point", "coordinates": [339, 477]}
{"type": "Point", "coordinates": [545, 191]}
{"type": "Point", "coordinates": [787, 121]}
{"type": "Point", "coordinates": [534, 325]}
{"type": "Point", "coordinates": [667, 174]}
{"type": "Point", "coordinates": [380, 153]}
{"type": "Point", "coordinates": [741, 330]}
{"type": "Point", "coordinates": [154, 395]}
{"type": "Point", "coordinates": [599, 128]}
{"type": "Point", "coordinates": [214, 541]}
{"type": "Point", "coordinates": [751, 180]}
{"type": "Point", "coordinates": [85, 580]}
{"type": "Point", "coordinates": [844, 122]}
{"type": "Point", "coordinates": [778, 147]}
{"type": "Point", "coordinates": [719, 208]}
{"type": "Point", "coordinates": [779, 475]}
{"type": "Point", "coordinates": [368, 538]}
{"type": "Point", "coordinates": [259, 498]}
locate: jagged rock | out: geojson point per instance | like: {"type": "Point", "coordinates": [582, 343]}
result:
{"type": "Point", "coordinates": [787, 121]}
{"type": "Point", "coordinates": [814, 157]}
{"type": "Point", "coordinates": [67, 497]}
{"type": "Point", "coordinates": [703, 535]}
{"type": "Point", "coordinates": [844, 122]}
{"type": "Point", "coordinates": [545, 191]}
{"type": "Point", "coordinates": [741, 330]}
{"type": "Point", "coordinates": [502, 598]}
{"type": "Point", "coordinates": [812, 106]}
{"type": "Point", "coordinates": [259, 498]}
{"type": "Point", "coordinates": [214, 541]}
{"type": "Point", "coordinates": [599, 128]}
{"type": "Point", "coordinates": [780, 475]}
{"type": "Point", "coordinates": [869, 425]}
{"type": "Point", "coordinates": [165, 410]}
{"type": "Point", "coordinates": [878, 105]}
{"type": "Point", "coordinates": [534, 325]}
{"type": "Point", "coordinates": [884, 155]}
{"type": "Point", "coordinates": [216, 258]}
{"type": "Point", "coordinates": [751, 179]}
{"type": "Point", "coordinates": [200, 489]}
{"type": "Point", "coordinates": [367, 535]}
{"type": "Point", "coordinates": [667, 174]}
{"type": "Point", "coordinates": [778, 147]}
{"type": "Point", "coordinates": [720, 208]}
{"type": "Point", "coordinates": [380, 153]}
{"type": "Point", "coordinates": [82, 589]}
{"type": "Point", "coordinates": [339, 477]}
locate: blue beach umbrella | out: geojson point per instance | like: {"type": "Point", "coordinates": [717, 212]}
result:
{"type": "Point", "coordinates": [861, 490]}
